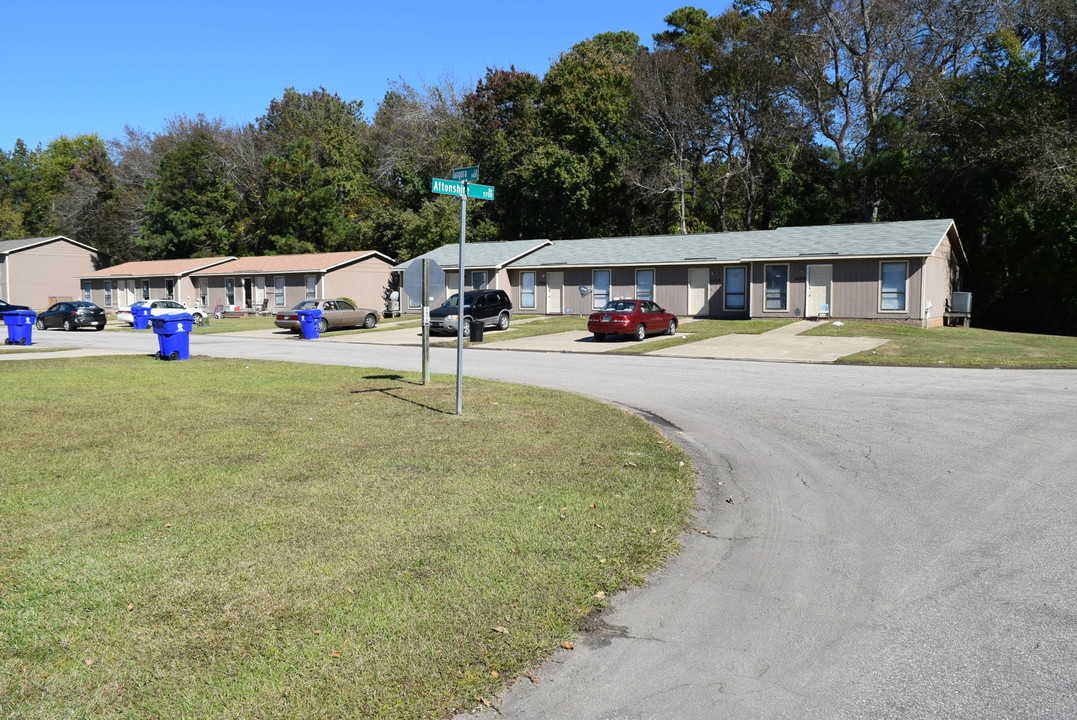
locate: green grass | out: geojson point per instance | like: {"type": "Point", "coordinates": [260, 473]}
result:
{"type": "Point", "coordinates": [243, 539]}
{"type": "Point", "coordinates": [697, 330]}
{"type": "Point", "coordinates": [955, 346]}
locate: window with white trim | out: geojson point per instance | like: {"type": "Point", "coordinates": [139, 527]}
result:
{"type": "Point", "coordinates": [527, 290]}
{"type": "Point", "coordinates": [86, 290]}
{"type": "Point", "coordinates": [645, 284]}
{"type": "Point", "coordinates": [736, 297]}
{"type": "Point", "coordinates": [203, 292]}
{"type": "Point", "coordinates": [145, 289]}
{"type": "Point", "coordinates": [230, 292]}
{"type": "Point", "coordinates": [310, 282]}
{"type": "Point", "coordinates": [278, 290]}
{"type": "Point", "coordinates": [479, 279]}
{"type": "Point", "coordinates": [108, 293]}
{"type": "Point", "coordinates": [600, 281]}
{"type": "Point", "coordinates": [777, 287]}
{"type": "Point", "coordinates": [893, 279]}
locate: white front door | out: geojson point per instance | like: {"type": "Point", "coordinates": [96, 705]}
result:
{"type": "Point", "coordinates": [819, 277]}
{"type": "Point", "coordinates": [555, 293]}
{"type": "Point", "coordinates": [698, 279]}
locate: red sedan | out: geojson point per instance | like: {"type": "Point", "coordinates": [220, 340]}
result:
{"type": "Point", "coordinates": [638, 318]}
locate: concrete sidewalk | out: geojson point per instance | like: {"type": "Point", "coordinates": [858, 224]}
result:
{"type": "Point", "coordinates": [784, 344]}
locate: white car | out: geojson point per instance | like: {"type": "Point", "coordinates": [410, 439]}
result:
{"type": "Point", "coordinates": [160, 307]}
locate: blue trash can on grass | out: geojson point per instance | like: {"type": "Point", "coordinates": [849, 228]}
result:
{"type": "Point", "coordinates": [308, 323]}
{"type": "Point", "coordinates": [20, 326]}
{"type": "Point", "coordinates": [173, 333]}
{"type": "Point", "coordinates": [140, 316]}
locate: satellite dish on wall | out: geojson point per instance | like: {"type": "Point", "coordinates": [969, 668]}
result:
{"type": "Point", "coordinates": [584, 290]}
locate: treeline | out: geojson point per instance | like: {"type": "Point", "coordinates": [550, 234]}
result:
{"type": "Point", "coordinates": [790, 112]}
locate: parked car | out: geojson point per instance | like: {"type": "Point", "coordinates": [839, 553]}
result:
{"type": "Point", "coordinates": [637, 318]}
{"type": "Point", "coordinates": [336, 313]}
{"type": "Point", "coordinates": [160, 306]}
{"type": "Point", "coordinates": [490, 307]}
{"type": "Point", "coordinates": [72, 315]}
{"type": "Point", "coordinates": [8, 307]}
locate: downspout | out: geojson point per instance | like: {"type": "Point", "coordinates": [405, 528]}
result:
{"type": "Point", "coordinates": [924, 303]}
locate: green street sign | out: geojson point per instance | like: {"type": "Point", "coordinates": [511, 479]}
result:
{"type": "Point", "coordinates": [471, 174]}
{"type": "Point", "coordinates": [452, 187]}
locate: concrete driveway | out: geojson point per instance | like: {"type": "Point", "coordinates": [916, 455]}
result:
{"type": "Point", "coordinates": [784, 344]}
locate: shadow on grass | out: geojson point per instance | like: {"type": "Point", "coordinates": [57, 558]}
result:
{"type": "Point", "coordinates": [388, 392]}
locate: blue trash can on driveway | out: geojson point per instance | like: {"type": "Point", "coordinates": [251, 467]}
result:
{"type": "Point", "coordinates": [140, 316]}
{"type": "Point", "coordinates": [20, 326]}
{"type": "Point", "coordinates": [308, 323]}
{"type": "Point", "coordinates": [173, 333]}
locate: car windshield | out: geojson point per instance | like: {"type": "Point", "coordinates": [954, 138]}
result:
{"type": "Point", "coordinates": [140, 303]}
{"type": "Point", "coordinates": [619, 306]}
{"type": "Point", "coordinates": [452, 301]}
{"type": "Point", "coordinates": [307, 305]}
{"type": "Point", "coordinates": [82, 304]}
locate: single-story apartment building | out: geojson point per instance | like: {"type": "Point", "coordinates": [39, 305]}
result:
{"type": "Point", "coordinates": [120, 285]}
{"type": "Point", "coordinates": [274, 282]}
{"type": "Point", "coordinates": [901, 272]}
{"type": "Point", "coordinates": [485, 264]}
{"type": "Point", "coordinates": [278, 282]}
{"type": "Point", "coordinates": [38, 271]}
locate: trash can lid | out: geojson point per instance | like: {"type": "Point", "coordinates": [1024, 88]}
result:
{"type": "Point", "coordinates": [19, 313]}
{"type": "Point", "coordinates": [172, 317]}
{"type": "Point", "coordinates": [309, 312]}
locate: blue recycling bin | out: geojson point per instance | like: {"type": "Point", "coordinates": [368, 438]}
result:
{"type": "Point", "coordinates": [308, 323]}
{"type": "Point", "coordinates": [20, 326]}
{"type": "Point", "coordinates": [173, 333]}
{"type": "Point", "coordinates": [140, 316]}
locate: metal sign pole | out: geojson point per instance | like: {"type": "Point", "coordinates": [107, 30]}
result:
{"type": "Point", "coordinates": [426, 321]}
{"type": "Point", "coordinates": [460, 307]}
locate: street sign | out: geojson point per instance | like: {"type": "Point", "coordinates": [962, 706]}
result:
{"type": "Point", "coordinates": [413, 281]}
{"type": "Point", "coordinates": [453, 187]}
{"type": "Point", "coordinates": [471, 174]}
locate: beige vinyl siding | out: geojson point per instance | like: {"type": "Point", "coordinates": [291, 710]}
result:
{"type": "Point", "coordinates": [50, 270]}
{"type": "Point", "coordinates": [857, 287]}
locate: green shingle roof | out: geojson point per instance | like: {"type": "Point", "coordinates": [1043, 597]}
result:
{"type": "Point", "coordinates": [479, 254]}
{"type": "Point", "coordinates": [912, 238]}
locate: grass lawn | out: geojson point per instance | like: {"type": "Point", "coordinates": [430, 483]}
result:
{"type": "Point", "coordinates": [955, 346]}
{"type": "Point", "coordinates": [247, 539]}
{"type": "Point", "coordinates": [702, 330]}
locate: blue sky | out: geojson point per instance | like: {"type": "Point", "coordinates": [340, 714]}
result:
{"type": "Point", "coordinates": [94, 67]}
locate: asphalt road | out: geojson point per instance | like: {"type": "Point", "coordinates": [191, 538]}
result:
{"type": "Point", "coordinates": [901, 543]}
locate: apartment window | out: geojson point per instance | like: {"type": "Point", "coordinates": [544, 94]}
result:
{"type": "Point", "coordinates": [527, 290]}
{"type": "Point", "coordinates": [170, 289]}
{"type": "Point", "coordinates": [452, 282]}
{"type": "Point", "coordinates": [145, 289]}
{"type": "Point", "coordinates": [736, 297]}
{"type": "Point", "coordinates": [777, 287]}
{"type": "Point", "coordinates": [86, 290]}
{"type": "Point", "coordinates": [645, 284]}
{"type": "Point", "coordinates": [230, 292]}
{"type": "Point", "coordinates": [892, 286]}
{"type": "Point", "coordinates": [278, 291]}
{"type": "Point", "coordinates": [600, 279]}
{"type": "Point", "coordinates": [108, 293]}
{"type": "Point", "coordinates": [311, 283]}
{"type": "Point", "coordinates": [480, 279]}
{"type": "Point", "coordinates": [203, 292]}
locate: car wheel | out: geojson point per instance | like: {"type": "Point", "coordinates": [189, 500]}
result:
{"type": "Point", "coordinates": [199, 318]}
{"type": "Point", "coordinates": [599, 337]}
{"type": "Point", "coordinates": [99, 327]}
{"type": "Point", "coordinates": [68, 325]}
{"type": "Point", "coordinates": [323, 325]}
{"type": "Point", "coordinates": [503, 321]}
{"type": "Point", "coordinates": [370, 321]}
{"type": "Point", "coordinates": [40, 324]}
{"type": "Point", "coordinates": [672, 328]}
{"type": "Point", "coordinates": [641, 332]}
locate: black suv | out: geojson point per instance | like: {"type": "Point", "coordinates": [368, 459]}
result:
{"type": "Point", "coordinates": [490, 307]}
